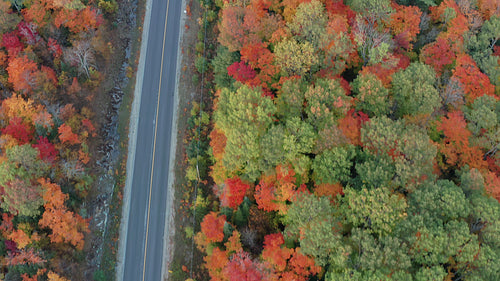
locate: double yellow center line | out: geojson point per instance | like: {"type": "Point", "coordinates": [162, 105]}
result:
{"type": "Point", "coordinates": [154, 144]}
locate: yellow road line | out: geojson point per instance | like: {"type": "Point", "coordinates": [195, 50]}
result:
{"type": "Point", "coordinates": [154, 144]}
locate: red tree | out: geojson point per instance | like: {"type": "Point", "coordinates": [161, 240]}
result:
{"type": "Point", "coordinates": [215, 263]}
{"type": "Point", "coordinates": [50, 74]}
{"type": "Point", "coordinates": [496, 51]}
{"type": "Point", "coordinates": [232, 34]}
{"type": "Point", "coordinates": [46, 149]}
{"type": "Point", "coordinates": [261, 59]}
{"type": "Point", "coordinates": [18, 130]}
{"type": "Point", "coordinates": [66, 226]}
{"type": "Point", "coordinates": [475, 82]}
{"type": "Point", "coordinates": [233, 192]}
{"type": "Point", "coordinates": [54, 48]}
{"type": "Point", "coordinates": [233, 244]}
{"type": "Point", "coordinates": [218, 143]}
{"type": "Point", "coordinates": [265, 195]}
{"type": "Point", "coordinates": [213, 227]}
{"type": "Point", "coordinates": [438, 12]}
{"type": "Point", "coordinates": [11, 42]}
{"type": "Point", "coordinates": [350, 125]}
{"type": "Point", "coordinates": [28, 32]}
{"type": "Point", "coordinates": [274, 191]}
{"type": "Point", "coordinates": [241, 72]}
{"type": "Point", "coordinates": [438, 54]}
{"type": "Point", "coordinates": [36, 12]}
{"type": "Point", "coordinates": [274, 253]}
{"type": "Point", "coordinates": [492, 183]}
{"type": "Point", "coordinates": [78, 21]}
{"type": "Point", "coordinates": [67, 135]}
{"type": "Point", "coordinates": [22, 73]}
{"type": "Point", "coordinates": [329, 190]}
{"type": "Point", "coordinates": [242, 268]}
{"type": "Point", "coordinates": [337, 7]}
{"type": "Point", "coordinates": [24, 257]}
{"type": "Point", "coordinates": [251, 53]}
{"type": "Point", "coordinates": [456, 146]}
{"type": "Point", "coordinates": [405, 23]}
{"type": "Point", "coordinates": [87, 124]}
{"type": "Point", "coordinates": [489, 8]}
{"type": "Point", "coordinates": [386, 69]}
{"type": "Point", "coordinates": [302, 265]}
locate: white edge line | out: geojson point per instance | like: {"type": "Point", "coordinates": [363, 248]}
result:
{"type": "Point", "coordinates": [170, 212]}
{"type": "Point", "coordinates": [132, 141]}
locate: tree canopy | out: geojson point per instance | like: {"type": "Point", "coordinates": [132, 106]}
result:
{"type": "Point", "coordinates": [362, 144]}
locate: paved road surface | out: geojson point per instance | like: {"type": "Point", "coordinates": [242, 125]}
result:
{"type": "Point", "coordinates": [146, 224]}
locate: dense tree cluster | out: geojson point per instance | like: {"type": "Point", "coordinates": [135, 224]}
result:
{"type": "Point", "coordinates": [355, 140]}
{"type": "Point", "coordinates": [48, 73]}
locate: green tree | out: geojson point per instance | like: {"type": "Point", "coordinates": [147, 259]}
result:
{"type": "Point", "coordinates": [295, 58]}
{"type": "Point", "coordinates": [373, 258]}
{"type": "Point", "coordinates": [333, 165]}
{"type": "Point", "coordinates": [220, 64]}
{"type": "Point", "coordinates": [22, 163]}
{"type": "Point", "coordinates": [337, 49]}
{"type": "Point", "coordinates": [376, 210]}
{"type": "Point", "coordinates": [271, 145]}
{"type": "Point", "coordinates": [326, 101]}
{"type": "Point", "coordinates": [414, 91]}
{"type": "Point", "coordinates": [300, 138]}
{"type": "Point", "coordinates": [375, 171]}
{"type": "Point", "coordinates": [430, 273]}
{"type": "Point", "coordinates": [372, 95]}
{"type": "Point", "coordinates": [480, 47]}
{"type": "Point", "coordinates": [290, 99]}
{"type": "Point", "coordinates": [312, 221]}
{"type": "Point", "coordinates": [324, 242]}
{"type": "Point", "coordinates": [288, 144]}
{"type": "Point", "coordinates": [367, 275]}
{"type": "Point", "coordinates": [406, 148]}
{"type": "Point", "coordinates": [442, 230]}
{"type": "Point", "coordinates": [309, 23]}
{"type": "Point", "coordinates": [372, 10]}
{"type": "Point", "coordinates": [422, 4]}
{"type": "Point", "coordinates": [18, 175]}
{"type": "Point", "coordinates": [484, 120]}
{"type": "Point", "coordinates": [485, 222]}
{"type": "Point", "coordinates": [441, 201]}
{"type": "Point", "coordinates": [22, 198]}
{"type": "Point", "coordinates": [244, 116]}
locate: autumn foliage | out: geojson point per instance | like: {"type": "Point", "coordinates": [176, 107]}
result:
{"type": "Point", "coordinates": [212, 226]}
{"type": "Point", "coordinates": [352, 140]}
{"type": "Point", "coordinates": [66, 226]}
{"type": "Point", "coordinates": [456, 146]}
{"type": "Point", "coordinates": [475, 82]}
{"type": "Point", "coordinates": [46, 134]}
{"type": "Point", "coordinates": [233, 192]}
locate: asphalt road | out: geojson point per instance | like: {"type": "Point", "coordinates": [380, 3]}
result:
{"type": "Point", "coordinates": [143, 259]}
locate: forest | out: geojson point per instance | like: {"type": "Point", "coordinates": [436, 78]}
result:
{"type": "Point", "coordinates": [349, 140]}
{"type": "Point", "coordinates": [49, 56]}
